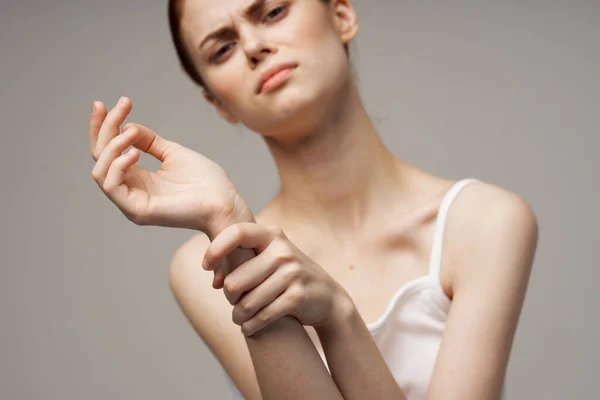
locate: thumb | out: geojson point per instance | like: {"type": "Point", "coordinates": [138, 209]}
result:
{"type": "Point", "coordinates": [151, 142]}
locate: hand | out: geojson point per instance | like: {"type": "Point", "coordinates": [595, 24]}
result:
{"type": "Point", "coordinates": [280, 280]}
{"type": "Point", "coordinates": [188, 191]}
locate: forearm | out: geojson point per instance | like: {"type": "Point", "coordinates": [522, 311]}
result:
{"type": "Point", "coordinates": [354, 360]}
{"type": "Point", "coordinates": [286, 363]}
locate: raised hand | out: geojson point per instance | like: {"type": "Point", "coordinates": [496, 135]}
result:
{"type": "Point", "coordinates": [188, 191]}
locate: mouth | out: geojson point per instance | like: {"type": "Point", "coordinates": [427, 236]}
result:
{"type": "Point", "coordinates": [274, 77]}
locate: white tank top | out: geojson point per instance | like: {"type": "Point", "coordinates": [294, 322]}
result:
{"type": "Point", "coordinates": [409, 333]}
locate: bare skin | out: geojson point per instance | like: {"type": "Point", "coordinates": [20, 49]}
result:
{"type": "Point", "coordinates": [346, 202]}
{"type": "Point", "coordinates": [381, 265]}
{"type": "Point", "coordinates": [363, 215]}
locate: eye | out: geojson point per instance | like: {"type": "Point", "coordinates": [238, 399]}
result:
{"type": "Point", "coordinates": [220, 52]}
{"type": "Point", "coordinates": [275, 12]}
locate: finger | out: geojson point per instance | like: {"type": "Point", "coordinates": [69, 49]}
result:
{"type": "Point", "coordinates": [260, 296]}
{"type": "Point", "coordinates": [113, 184]}
{"type": "Point", "coordinates": [285, 253]}
{"type": "Point", "coordinates": [218, 279]}
{"type": "Point", "coordinates": [245, 235]}
{"type": "Point", "coordinates": [96, 119]}
{"type": "Point", "coordinates": [111, 125]}
{"type": "Point", "coordinates": [249, 275]}
{"type": "Point", "coordinates": [151, 142]}
{"type": "Point", "coordinates": [285, 304]}
{"type": "Point", "coordinates": [111, 153]}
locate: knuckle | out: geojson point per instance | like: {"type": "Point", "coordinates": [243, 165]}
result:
{"type": "Point", "coordinates": [292, 271]}
{"type": "Point", "coordinates": [240, 230]}
{"type": "Point", "coordinates": [244, 306]}
{"type": "Point", "coordinates": [117, 142]}
{"type": "Point", "coordinates": [96, 175]}
{"type": "Point", "coordinates": [284, 255]}
{"type": "Point", "coordinates": [276, 231]}
{"type": "Point", "coordinates": [264, 316]}
{"type": "Point", "coordinates": [246, 328]}
{"type": "Point", "coordinates": [296, 296]}
{"type": "Point", "coordinates": [241, 313]}
{"type": "Point", "coordinates": [230, 286]}
{"type": "Point", "coordinates": [236, 317]}
{"type": "Point", "coordinates": [282, 258]}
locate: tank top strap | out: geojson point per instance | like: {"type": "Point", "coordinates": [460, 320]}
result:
{"type": "Point", "coordinates": [435, 260]}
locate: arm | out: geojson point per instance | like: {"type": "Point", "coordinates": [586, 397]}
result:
{"type": "Point", "coordinates": [283, 358]}
{"type": "Point", "coordinates": [281, 280]}
{"type": "Point", "coordinates": [493, 250]}
{"type": "Point", "coordinates": [354, 360]}
{"type": "Point", "coordinates": [495, 253]}
{"type": "Point", "coordinates": [197, 189]}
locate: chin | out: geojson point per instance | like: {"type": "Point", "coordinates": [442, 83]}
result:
{"type": "Point", "coordinates": [296, 108]}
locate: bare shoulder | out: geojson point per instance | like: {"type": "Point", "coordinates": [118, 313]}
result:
{"type": "Point", "coordinates": [209, 313]}
{"type": "Point", "coordinates": [489, 246]}
{"type": "Point", "coordinates": [485, 223]}
{"type": "Point", "coordinates": [486, 209]}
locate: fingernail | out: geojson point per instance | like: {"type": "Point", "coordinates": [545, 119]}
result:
{"type": "Point", "coordinates": [94, 107]}
{"type": "Point", "coordinates": [121, 101]}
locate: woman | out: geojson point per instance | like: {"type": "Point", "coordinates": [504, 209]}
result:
{"type": "Point", "coordinates": [339, 286]}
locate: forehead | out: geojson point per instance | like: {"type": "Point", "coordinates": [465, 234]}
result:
{"type": "Point", "coordinates": [204, 16]}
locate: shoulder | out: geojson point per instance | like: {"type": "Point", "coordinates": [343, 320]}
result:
{"type": "Point", "coordinates": [491, 231]}
{"type": "Point", "coordinates": [489, 245]}
{"type": "Point", "coordinates": [209, 313]}
{"type": "Point", "coordinates": [485, 208]}
{"type": "Point", "coordinates": [488, 212]}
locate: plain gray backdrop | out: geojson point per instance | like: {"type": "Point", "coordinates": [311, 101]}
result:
{"type": "Point", "coordinates": [506, 91]}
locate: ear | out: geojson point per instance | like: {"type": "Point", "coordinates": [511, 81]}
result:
{"type": "Point", "coordinates": [345, 20]}
{"type": "Point", "coordinates": [226, 115]}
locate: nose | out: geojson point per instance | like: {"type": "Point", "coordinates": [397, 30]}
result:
{"type": "Point", "coordinates": [255, 46]}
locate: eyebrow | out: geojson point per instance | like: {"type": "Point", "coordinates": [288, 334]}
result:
{"type": "Point", "coordinates": [249, 11]}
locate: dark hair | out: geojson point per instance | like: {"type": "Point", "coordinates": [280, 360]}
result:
{"type": "Point", "coordinates": [175, 9]}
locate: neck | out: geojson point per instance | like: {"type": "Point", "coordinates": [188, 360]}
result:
{"type": "Point", "coordinates": [339, 173]}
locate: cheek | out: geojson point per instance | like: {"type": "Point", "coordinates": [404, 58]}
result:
{"type": "Point", "coordinates": [305, 36]}
{"type": "Point", "coordinates": [314, 40]}
{"type": "Point", "coordinates": [310, 33]}
{"type": "Point", "coordinates": [232, 81]}
{"type": "Point", "coordinates": [309, 29]}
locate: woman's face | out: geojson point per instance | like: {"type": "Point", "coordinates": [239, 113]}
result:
{"type": "Point", "coordinates": [306, 35]}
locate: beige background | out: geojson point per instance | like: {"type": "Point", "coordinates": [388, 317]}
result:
{"type": "Point", "coordinates": [507, 92]}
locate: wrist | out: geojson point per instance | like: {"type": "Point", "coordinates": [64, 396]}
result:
{"type": "Point", "coordinates": [237, 211]}
{"type": "Point", "coordinates": [343, 312]}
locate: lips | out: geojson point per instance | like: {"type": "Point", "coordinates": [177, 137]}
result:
{"type": "Point", "coordinates": [271, 72]}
